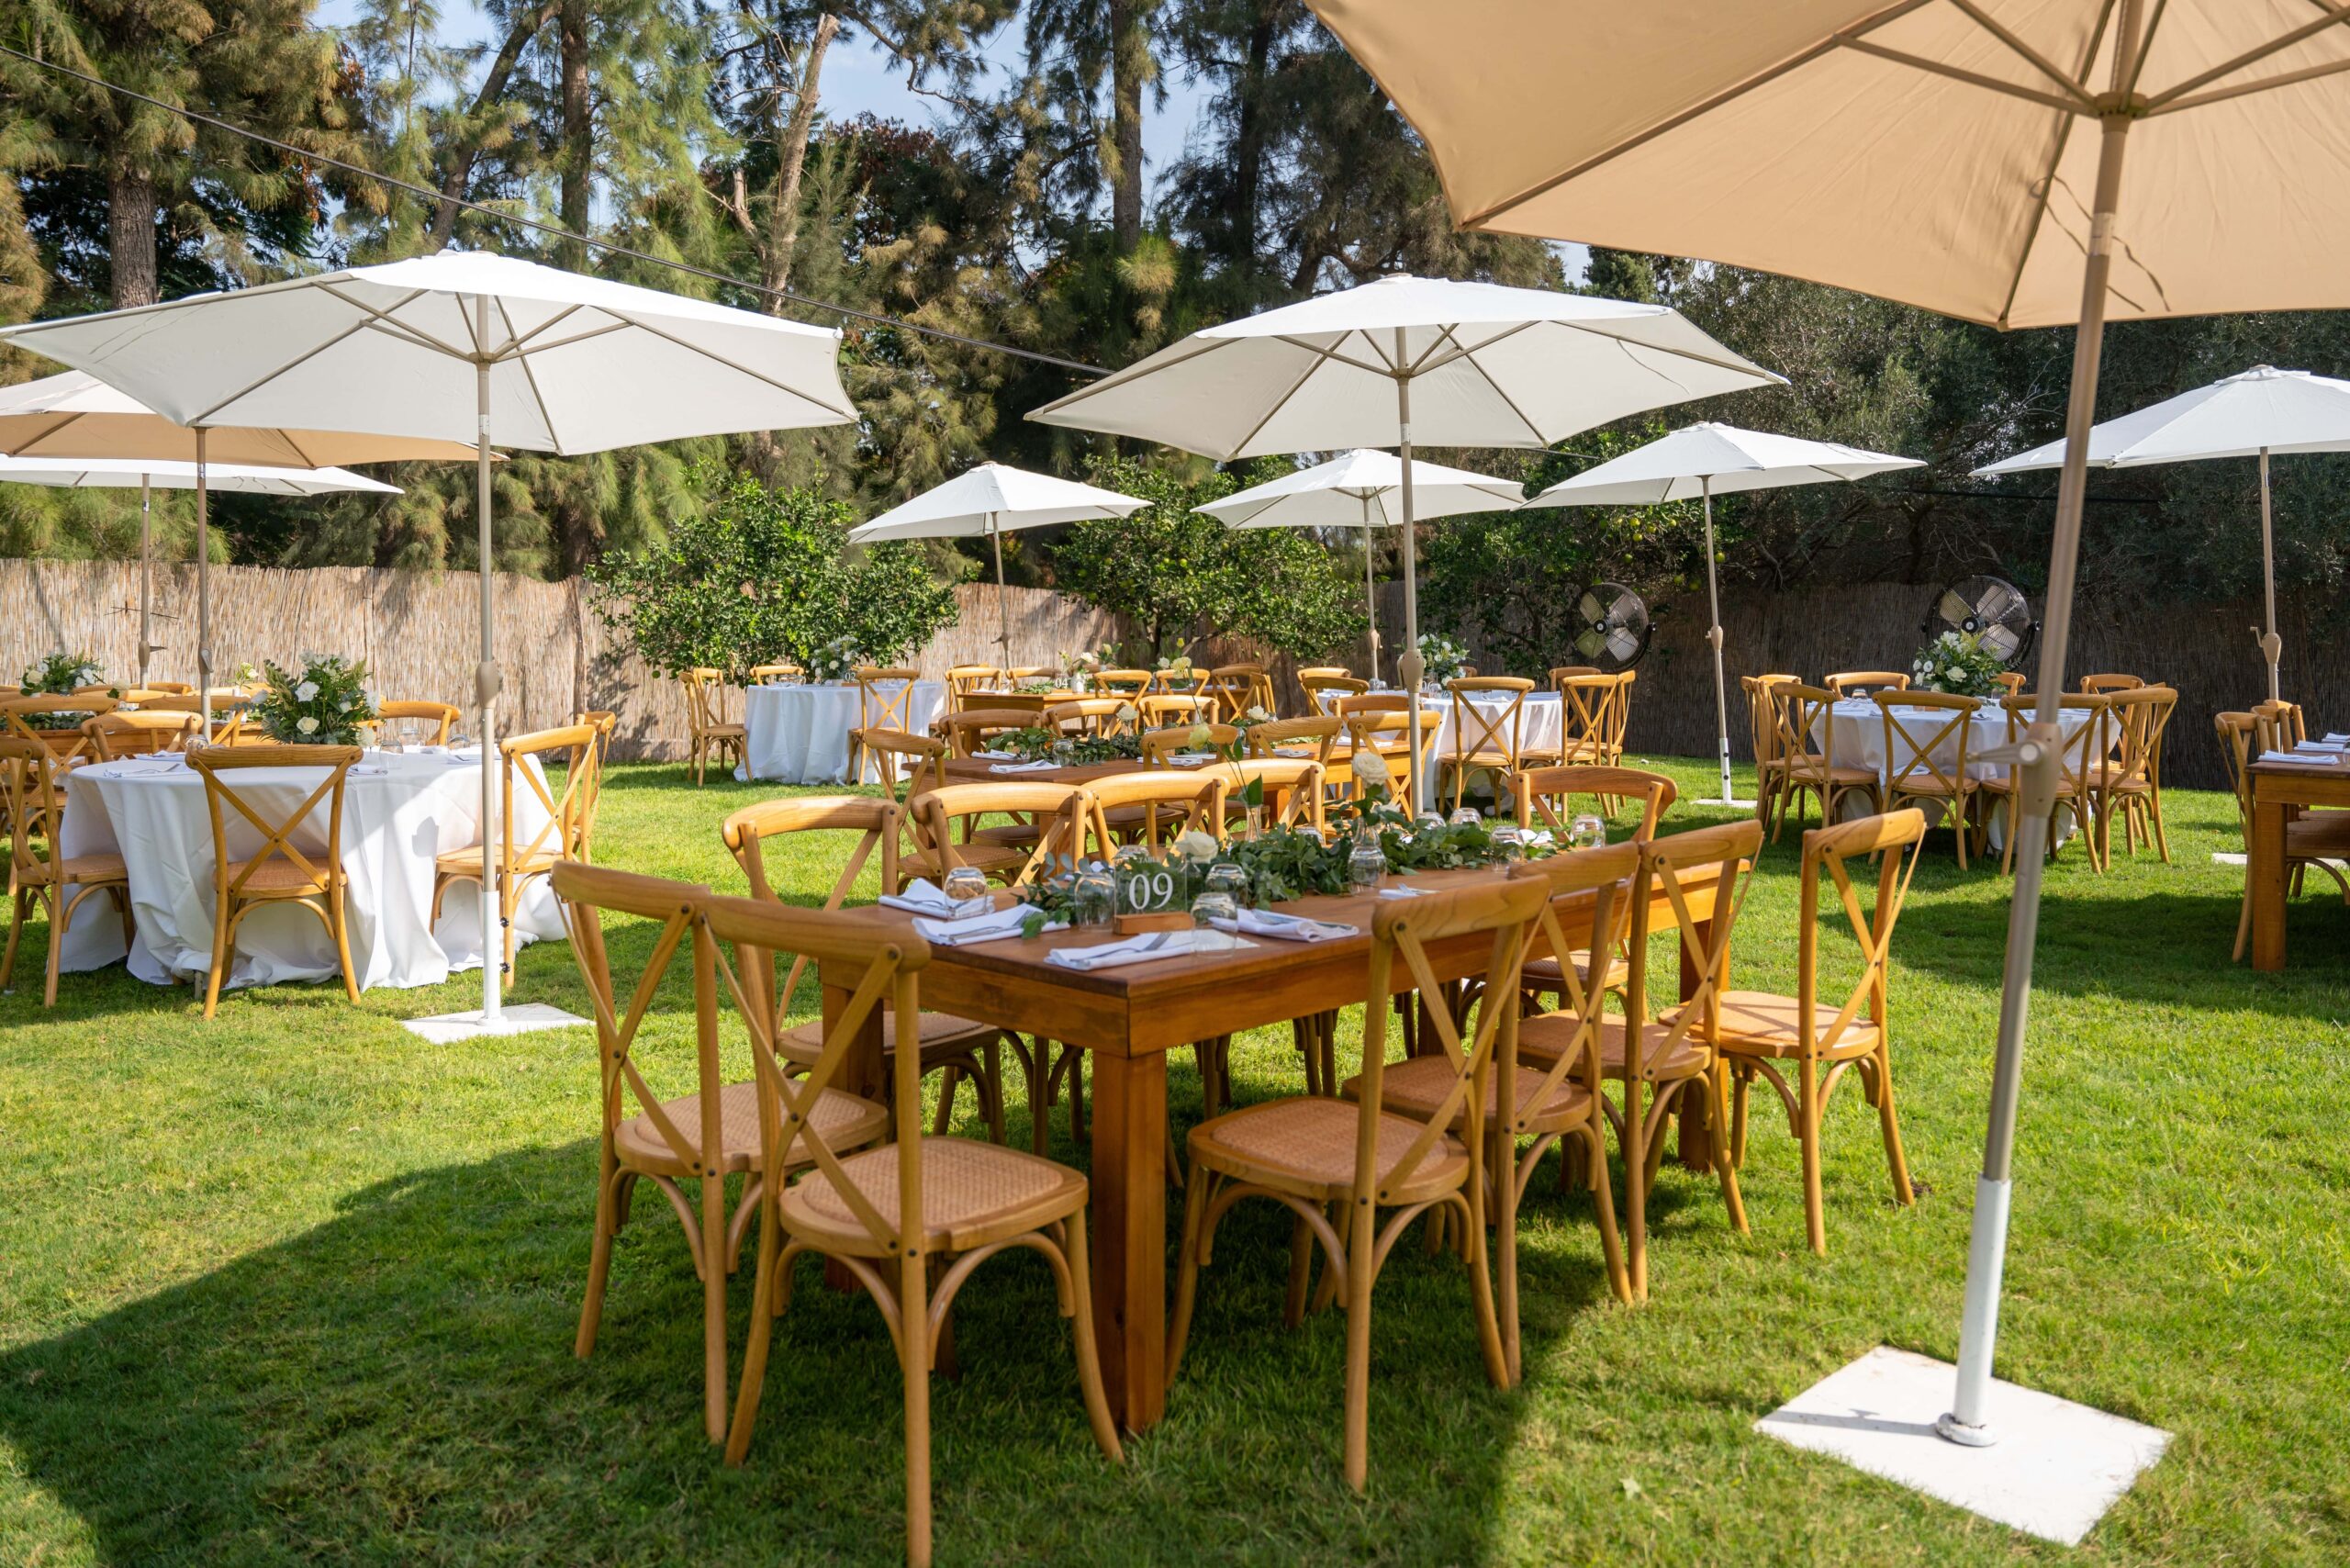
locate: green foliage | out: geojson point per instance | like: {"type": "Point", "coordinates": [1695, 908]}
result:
{"type": "Point", "coordinates": [1039, 744]}
{"type": "Point", "coordinates": [767, 576]}
{"type": "Point", "coordinates": [1178, 575]}
{"type": "Point", "coordinates": [323, 705]}
{"type": "Point", "coordinates": [1958, 663]}
{"type": "Point", "coordinates": [57, 674]}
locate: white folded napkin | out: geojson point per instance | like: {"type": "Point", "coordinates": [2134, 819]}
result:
{"type": "Point", "coordinates": [2318, 745]}
{"type": "Point", "coordinates": [1147, 949]}
{"type": "Point", "coordinates": [1042, 764]}
{"type": "Point", "coordinates": [998, 755]}
{"type": "Point", "coordinates": [993, 926]}
{"type": "Point", "coordinates": [2303, 758]}
{"type": "Point", "coordinates": [369, 770]}
{"type": "Point", "coordinates": [924, 896]}
{"type": "Point", "coordinates": [1403, 892]}
{"type": "Point", "coordinates": [2335, 737]}
{"type": "Point", "coordinates": [1190, 759]}
{"type": "Point", "coordinates": [1286, 927]}
{"type": "Point", "coordinates": [1292, 751]}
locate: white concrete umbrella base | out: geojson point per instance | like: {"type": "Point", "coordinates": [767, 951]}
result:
{"type": "Point", "coordinates": [449, 1028]}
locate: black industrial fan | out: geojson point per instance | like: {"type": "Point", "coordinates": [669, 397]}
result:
{"type": "Point", "coordinates": [1611, 627]}
{"type": "Point", "coordinates": [1989, 608]}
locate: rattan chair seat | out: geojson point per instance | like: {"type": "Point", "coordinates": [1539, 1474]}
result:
{"type": "Point", "coordinates": [1306, 1145]}
{"type": "Point", "coordinates": [972, 1194]}
{"type": "Point", "coordinates": [85, 869]}
{"type": "Point", "coordinates": [467, 862]}
{"type": "Point", "coordinates": [844, 1121]}
{"type": "Point", "coordinates": [1418, 1087]}
{"type": "Point", "coordinates": [1544, 974]}
{"type": "Point", "coordinates": [1543, 1039]}
{"type": "Point", "coordinates": [939, 1032]}
{"type": "Point", "coordinates": [1762, 1023]}
{"type": "Point", "coordinates": [988, 857]}
{"type": "Point", "coordinates": [1812, 766]}
{"type": "Point", "coordinates": [2318, 834]}
{"type": "Point", "coordinates": [275, 878]}
{"type": "Point", "coordinates": [1927, 784]}
{"type": "Point", "coordinates": [1014, 835]}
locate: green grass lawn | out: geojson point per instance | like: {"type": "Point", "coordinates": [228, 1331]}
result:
{"type": "Point", "coordinates": [295, 1286]}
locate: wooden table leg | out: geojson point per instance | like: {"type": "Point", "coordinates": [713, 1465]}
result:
{"type": "Point", "coordinates": [863, 1072]}
{"type": "Point", "coordinates": [1130, 1233]}
{"type": "Point", "coordinates": [2266, 870]}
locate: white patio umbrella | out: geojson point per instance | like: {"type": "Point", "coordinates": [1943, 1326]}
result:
{"type": "Point", "coordinates": [1700, 462]}
{"type": "Point", "coordinates": [1486, 365]}
{"type": "Point", "coordinates": [463, 346]}
{"type": "Point", "coordinates": [2257, 413]}
{"type": "Point", "coordinates": [1364, 488]}
{"type": "Point", "coordinates": [994, 499]}
{"type": "Point", "coordinates": [121, 473]}
{"type": "Point", "coordinates": [1936, 154]}
{"type": "Point", "coordinates": [76, 416]}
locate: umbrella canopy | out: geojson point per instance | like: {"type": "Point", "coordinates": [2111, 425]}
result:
{"type": "Point", "coordinates": [1364, 488]}
{"type": "Point", "coordinates": [77, 415]}
{"type": "Point", "coordinates": [2020, 163]}
{"type": "Point", "coordinates": [462, 346]}
{"type": "Point", "coordinates": [994, 499]}
{"type": "Point", "coordinates": [2257, 414]}
{"type": "Point", "coordinates": [1406, 359]}
{"type": "Point", "coordinates": [1698, 462]}
{"type": "Point", "coordinates": [123, 473]}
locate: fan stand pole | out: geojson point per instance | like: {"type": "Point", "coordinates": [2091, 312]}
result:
{"type": "Point", "coordinates": [2272, 647]}
{"type": "Point", "coordinates": [1713, 637]}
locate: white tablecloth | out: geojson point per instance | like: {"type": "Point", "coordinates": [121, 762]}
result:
{"type": "Point", "coordinates": [798, 735]}
{"type": "Point", "coordinates": [1540, 729]}
{"type": "Point", "coordinates": [151, 812]}
{"type": "Point", "coordinates": [1860, 743]}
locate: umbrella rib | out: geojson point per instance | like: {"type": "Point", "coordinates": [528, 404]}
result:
{"type": "Point", "coordinates": [2030, 55]}
{"type": "Point", "coordinates": [2146, 46]}
{"type": "Point", "coordinates": [1704, 105]}
{"type": "Point", "coordinates": [2334, 17]}
{"type": "Point", "coordinates": [1507, 401]}
{"type": "Point", "coordinates": [2063, 128]}
{"type": "Point", "coordinates": [849, 414]}
{"type": "Point", "coordinates": [1200, 346]}
{"type": "Point", "coordinates": [386, 320]}
{"type": "Point", "coordinates": [309, 353]}
{"type": "Point", "coordinates": [1276, 406]}
{"type": "Point", "coordinates": [522, 348]}
{"type": "Point", "coordinates": [2264, 84]}
{"type": "Point", "coordinates": [31, 443]}
{"type": "Point", "coordinates": [519, 342]}
{"type": "Point", "coordinates": [1382, 366]}
{"type": "Point", "coordinates": [2077, 103]}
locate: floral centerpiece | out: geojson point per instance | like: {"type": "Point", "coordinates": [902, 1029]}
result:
{"type": "Point", "coordinates": [834, 663]}
{"type": "Point", "coordinates": [323, 705]}
{"type": "Point", "coordinates": [1442, 658]}
{"type": "Point", "coordinates": [60, 674]}
{"type": "Point", "coordinates": [1079, 668]}
{"type": "Point", "coordinates": [1176, 671]}
{"type": "Point", "coordinates": [1957, 663]}
{"type": "Point", "coordinates": [1037, 743]}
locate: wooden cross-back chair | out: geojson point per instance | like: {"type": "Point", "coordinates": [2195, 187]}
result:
{"type": "Point", "coordinates": [2081, 758]}
{"type": "Point", "coordinates": [971, 729]}
{"type": "Point", "coordinates": [954, 1048]}
{"type": "Point", "coordinates": [1658, 1058]}
{"type": "Point", "coordinates": [885, 701]}
{"type": "Point", "coordinates": [606, 724]}
{"type": "Point", "coordinates": [1054, 814]}
{"type": "Point", "coordinates": [1153, 808]}
{"type": "Point", "coordinates": [438, 718]}
{"type": "Point", "coordinates": [1312, 738]}
{"type": "Point", "coordinates": [2130, 783]}
{"type": "Point", "coordinates": [1619, 716]}
{"type": "Point", "coordinates": [1355, 1157]}
{"type": "Point", "coordinates": [1584, 722]}
{"type": "Point", "coordinates": [1762, 735]}
{"type": "Point", "coordinates": [119, 734]}
{"type": "Point", "coordinates": [564, 836]}
{"type": "Point", "coordinates": [70, 743]}
{"type": "Point", "coordinates": [224, 706]}
{"type": "Point", "coordinates": [1384, 734]}
{"type": "Point", "coordinates": [2011, 683]}
{"type": "Point", "coordinates": [1811, 766]}
{"type": "Point", "coordinates": [1323, 688]}
{"type": "Point", "coordinates": [1763, 1035]}
{"type": "Point", "coordinates": [37, 875]}
{"type": "Point", "coordinates": [963, 683]}
{"type": "Point", "coordinates": [2318, 839]}
{"type": "Point", "coordinates": [1163, 710]}
{"type": "Point", "coordinates": [761, 674]}
{"type": "Point", "coordinates": [1927, 735]}
{"type": "Point", "coordinates": [1546, 800]}
{"type": "Point", "coordinates": [2101, 685]}
{"type": "Point", "coordinates": [708, 732]}
{"type": "Point", "coordinates": [280, 871]}
{"type": "Point", "coordinates": [1031, 672]}
{"type": "Point", "coordinates": [1866, 682]}
{"type": "Point", "coordinates": [920, 760]}
{"type": "Point", "coordinates": [693, 1140]}
{"type": "Point", "coordinates": [1090, 716]}
{"type": "Point", "coordinates": [2279, 725]}
{"type": "Point", "coordinates": [1126, 683]}
{"type": "Point", "coordinates": [911, 1220]}
{"type": "Point", "coordinates": [1293, 790]}
{"type": "Point", "coordinates": [1238, 688]}
{"type": "Point", "coordinates": [1493, 743]}
{"type": "Point", "coordinates": [1158, 745]}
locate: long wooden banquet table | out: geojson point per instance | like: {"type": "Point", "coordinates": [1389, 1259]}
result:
{"type": "Point", "coordinates": [2276, 788]}
{"type": "Point", "coordinates": [1127, 1020]}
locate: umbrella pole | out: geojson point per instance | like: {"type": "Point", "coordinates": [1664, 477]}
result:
{"type": "Point", "coordinates": [147, 581]}
{"type": "Point", "coordinates": [1370, 588]}
{"type": "Point", "coordinates": [1409, 666]}
{"type": "Point", "coordinates": [2272, 647]}
{"type": "Point", "coordinates": [203, 598]}
{"type": "Point", "coordinates": [2035, 762]}
{"type": "Point", "coordinates": [1714, 635]}
{"type": "Point", "coordinates": [493, 935]}
{"type": "Point", "coordinates": [1003, 600]}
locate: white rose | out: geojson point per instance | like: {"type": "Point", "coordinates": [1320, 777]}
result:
{"type": "Point", "coordinates": [309, 726]}
{"type": "Point", "coordinates": [1257, 712]}
{"type": "Point", "coordinates": [1369, 768]}
{"type": "Point", "coordinates": [1196, 845]}
{"type": "Point", "coordinates": [306, 691]}
{"type": "Point", "coordinates": [1199, 737]}
{"type": "Point", "coordinates": [1127, 714]}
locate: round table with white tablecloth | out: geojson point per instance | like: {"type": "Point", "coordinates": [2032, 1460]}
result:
{"type": "Point", "coordinates": [400, 811]}
{"type": "Point", "coordinates": [1542, 727]}
{"type": "Point", "coordinates": [1861, 741]}
{"type": "Point", "coordinates": [798, 735]}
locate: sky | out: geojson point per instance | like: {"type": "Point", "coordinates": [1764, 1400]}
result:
{"type": "Point", "coordinates": [860, 78]}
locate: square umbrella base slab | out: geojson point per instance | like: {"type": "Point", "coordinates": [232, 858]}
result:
{"type": "Point", "coordinates": [447, 1029]}
{"type": "Point", "coordinates": [2054, 1471]}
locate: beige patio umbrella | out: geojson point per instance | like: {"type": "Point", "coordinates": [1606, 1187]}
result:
{"type": "Point", "coordinates": [2019, 162]}
{"type": "Point", "coordinates": [75, 416]}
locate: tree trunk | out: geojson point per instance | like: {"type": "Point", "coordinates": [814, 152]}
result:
{"type": "Point", "coordinates": [1130, 68]}
{"type": "Point", "coordinates": [791, 160]}
{"type": "Point", "coordinates": [578, 133]}
{"type": "Point", "coordinates": [130, 236]}
{"type": "Point", "coordinates": [460, 171]}
{"type": "Point", "coordinates": [1249, 137]}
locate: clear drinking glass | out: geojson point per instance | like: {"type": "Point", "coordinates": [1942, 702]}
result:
{"type": "Point", "coordinates": [1426, 819]}
{"type": "Point", "coordinates": [1211, 907]}
{"type": "Point", "coordinates": [1129, 856]}
{"type": "Point", "coordinates": [966, 888]}
{"type": "Point", "coordinates": [1096, 895]}
{"type": "Point", "coordinates": [1366, 863]}
{"type": "Point", "coordinates": [1467, 816]}
{"type": "Point", "coordinates": [1586, 832]}
{"type": "Point", "coordinates": [1509, 842]}
{"type": "Point", "coordinates": [1229, 879]}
